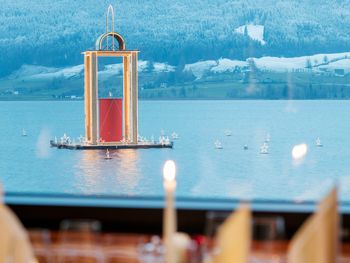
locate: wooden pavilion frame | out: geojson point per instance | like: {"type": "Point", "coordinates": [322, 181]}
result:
{"type": "Point", "coordinates": [130, 86]}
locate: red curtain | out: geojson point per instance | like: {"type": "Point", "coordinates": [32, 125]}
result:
{"type": "Point", "coordinates": [111, 120]}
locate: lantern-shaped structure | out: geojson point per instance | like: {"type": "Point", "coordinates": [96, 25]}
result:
{"type": "Point", "coordinates": [111, 121]}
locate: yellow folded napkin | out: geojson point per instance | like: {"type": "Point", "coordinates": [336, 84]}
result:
{"type": "Point", "coordinates": [234, 237]}
{"type": "Point", "coordinates": [317, 239]}
{"type": "Point", "coordinates": [14, 244]}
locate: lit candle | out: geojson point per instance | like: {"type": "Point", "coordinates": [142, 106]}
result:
{"type": "Point", "coordinates": [169, 216]}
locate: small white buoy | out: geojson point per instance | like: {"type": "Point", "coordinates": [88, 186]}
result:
{"type": "Point", "coordinates": [174, 136]}
{"type": "Point", "coordinates": [318, 142]}
{"type": "Point", "coordinates": [264, 149]}
{"type": "Point", "coordinates": [218, 144]}
{"type": "Point", "coordinates": [107, 157]}
{"type": "Point", "coordinates": [228, 132]}
{"type": "Point", "coordinates": [24, 133]}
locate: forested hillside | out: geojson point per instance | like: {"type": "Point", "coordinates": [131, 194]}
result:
{"type": "Point", "coordinates": [54, 33]}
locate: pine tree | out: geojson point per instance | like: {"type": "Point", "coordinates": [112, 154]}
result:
{"type": "Point", "coordinates": [325, 59]}
{"type": "Point", "coordinates": [308, 63]}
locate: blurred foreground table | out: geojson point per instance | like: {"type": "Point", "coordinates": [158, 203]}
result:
{"type": "Point", "coordinates": [71, 247]}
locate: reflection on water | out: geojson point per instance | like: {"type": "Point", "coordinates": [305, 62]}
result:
{"type": "Point", "coordinates": [87, 171]}
{"type": "Point", "coordinates": [42, 148]}
{"type": "Point", "coordinates": [127, 162]}
{"type": "Point", "coordinates": [92, 169]}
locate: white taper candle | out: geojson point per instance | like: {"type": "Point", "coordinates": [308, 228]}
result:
{"type": "Point", "coordinates": [169, 216]}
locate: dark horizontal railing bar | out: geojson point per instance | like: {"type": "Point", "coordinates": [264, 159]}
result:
{"type": "Point", "coordinates": [186, 202]}
{"type": "Point", "coordinates": [157, 198]}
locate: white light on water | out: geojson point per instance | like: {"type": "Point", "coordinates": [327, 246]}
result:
{"type": "Point", "coordinates": [42, 145]}
{"type": "Point", "coordinates": [299, 151]}
{"type": "Point", "coordinates": [169, 170]}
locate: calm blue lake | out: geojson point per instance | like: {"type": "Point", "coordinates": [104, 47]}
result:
{"type": "Point", "coordinates": [29, 165]}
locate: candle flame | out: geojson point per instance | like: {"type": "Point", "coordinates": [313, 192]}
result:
{"type": "Point", "coordinates": [169, 170]}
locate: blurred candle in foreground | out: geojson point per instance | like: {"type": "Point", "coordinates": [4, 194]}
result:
{"type": "Point", "coordinates": [169, 216]}
{"type": "Point", "coordinates": [299, 151]}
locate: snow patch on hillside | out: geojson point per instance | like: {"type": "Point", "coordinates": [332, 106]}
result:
{"type": "Point", "coordinates": [340, 64]}
{"type": "Point", "coordinates": [278, 64]}
{"type": "Point", "coordinates": [71, 71]}
{"type": "Point", "coordinates": [34, 72]}
{"type": "Point", "coordinates": [255, 32]}
{"type": "Point", "coordinates": [199, 68]}
{"type": "Point", "coordinates": [30, 70]}
{"type": "Point", "coordinates": [110, 70]}
{"type": "Point", "coordinates": [142, 65]}
{"type": "Point", "coordinates": [318, 62]}
{"type": "Point", "coordinates": [224, 65]}
{"type": "Point", "coordinates": [163, 67]}
{"type": "Point", "coordinates": [275, 64]}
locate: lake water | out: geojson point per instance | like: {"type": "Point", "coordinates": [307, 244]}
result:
{"type": "Point", "coordinates": [29, 166]}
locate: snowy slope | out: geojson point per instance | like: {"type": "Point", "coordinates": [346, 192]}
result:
{"type": "Point", "coordinates": [289, 64]}
{"type": "Point", "coordinates": [33, 72]}
{"type": "Point", "coordinates": [224, 64]}
{"type": "Point", "coordinates": [275, 64]}
{"type": "Point", "coordinates": [163, 67]}
{"type": "Point", "coordinates": [255, 32]}
{"type": "Point", "coordinates": [340, 64]}
{"type": "Point", "coordinates": [199, 68]}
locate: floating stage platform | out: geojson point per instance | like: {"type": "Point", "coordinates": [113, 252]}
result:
{"type": "Point", "coordinates": [143, 145]}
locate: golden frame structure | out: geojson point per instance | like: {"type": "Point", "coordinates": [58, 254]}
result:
{"type": "Point", "coordinates": [130, 86]}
